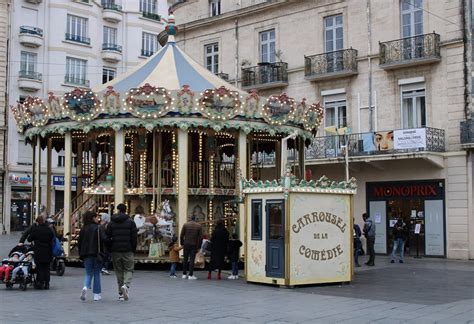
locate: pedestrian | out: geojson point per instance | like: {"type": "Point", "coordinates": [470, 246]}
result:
{"type": "Point", "coordinates": [174, 249]}
{"type": "Point", "coordinates": [122, 233]}
{"type": "Point", "coordinates": [219, 246]}
{"type": "Point", "coordinates": [357, 243]}
{"type": "Point", "coordinates": [190, 238]}
{"type": "Point", "coordinates": [234, 248]}
{"type": "Point", "coordinates": [90, 244]}
{"type": "Point", "coordinates": [106, 255]}
{"type": "Point", "coordinates": [399, 232]}
{"type": "Point", "coordinates": [369, 233]}
{"type": "Point", "coordinates": [42, 238]}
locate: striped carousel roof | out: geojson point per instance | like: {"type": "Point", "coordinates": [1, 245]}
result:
{"type": "Point", "coordinates": [169, 68]}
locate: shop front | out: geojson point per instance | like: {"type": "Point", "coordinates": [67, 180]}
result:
{"type": "Point", "coordinates": [421, 205]}
{"type": "Point", "coordinates": [20, 202]}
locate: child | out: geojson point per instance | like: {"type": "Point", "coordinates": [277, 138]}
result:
{"type": "Point", "coordinates": [234, 247]}
{"type": "Point", "coordinates": [174, 255]}
{"type": "Point", "coordinates": [9, 264]}
{"type": "Point", "coordinates": [24, 265]}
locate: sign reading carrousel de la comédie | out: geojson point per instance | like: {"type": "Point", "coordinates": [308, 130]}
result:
{"type": "Point", "coordinates": [409, 138]}
{"type": "Point", "coordinates": [320, 236]}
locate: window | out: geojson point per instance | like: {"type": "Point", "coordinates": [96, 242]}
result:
{"type": "Point", "coordinates": [149, 44]}
{"type": "Point", "coordinates": [77, 29]}
{"type": "Point", "coordinates": [215, 7]}
{"type": "Point", "coordinates": [333, 43]}
{"type": "Point", "coordinates": [256, 219]}
{"type": "Point", "coordinates": [110, 35]}
{"type": "Point", "coordinates": [335, 113]}
{"type": "Point", "coordinates": [28, 64]}
{"type": "Point", "coordinates": [149, 6]}
{"type": "Point", "coordinates": [76, 70]}
{"type": "Point", "coordinates": [212, 57]}
{"type": "Point", "coordinates": [108, 74]}
{"type": "Point", "coordinates": [412, 18]}
{"type": "Point", "coordinates": [25, 153]}
{"type": "Point", "coordinates": [413, 108]}
{"type": "Point", "coordinates": [267, 46]}
{"type": "Point", "coordinates": [61, 161]}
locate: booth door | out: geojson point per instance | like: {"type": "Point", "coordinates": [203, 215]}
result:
{"type": "Point", "coordinates": [275, 210]}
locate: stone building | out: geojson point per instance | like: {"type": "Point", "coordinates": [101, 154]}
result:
{"type": "Point", "coordinates": [57, 46]}
{"type": "Point", "coordinates": [3, 101]}
{"type": "Point", "coordinates": [391, 77]}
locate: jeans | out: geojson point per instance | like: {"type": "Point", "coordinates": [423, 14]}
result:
{"type": "Point", "coordinates": [189, 255]}
{"type": "Point", "coordinates": [93, 267]}
{"type": "Point", "coordinates": [398, 243]}
{"type": "Point", "coordinates": [24, 269]}
{"type": "Point", "coordinates": [124, 265]}
{"type": "Point", "coordinates": [235, 268]}
{"type": "Point", "coordinates": [357, 246]}
{"type": "Point", "coordinates": [371, 250]}
{"type": "Point", "coordinates": [173, 269]}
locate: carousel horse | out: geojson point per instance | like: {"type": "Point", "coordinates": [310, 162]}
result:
{"type": "Point", "coordinates": [158, 224]}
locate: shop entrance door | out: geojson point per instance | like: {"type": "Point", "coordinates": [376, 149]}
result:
{"type": "Point", "coordinates": [275, 212]}
{"type": "Point", "coordinates": [20, 215]}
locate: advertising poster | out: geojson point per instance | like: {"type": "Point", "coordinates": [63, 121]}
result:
{"type": "Point", "coordinates": [409, 138]}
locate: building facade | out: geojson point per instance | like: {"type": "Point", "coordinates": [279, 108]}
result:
{"type": "Point", "coordinates": [391, 77]}
{"type": "Point", "coordinates": [57, 46]}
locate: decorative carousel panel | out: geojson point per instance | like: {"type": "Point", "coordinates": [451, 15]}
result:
{"type": "Point", "coordinates": [80, 104]}
{"type": "Point", "coordinates": [54, 106]}
{"type": "Point", "coordinates": [36, 112]}
{"type": "Point", "coordinates": [298, 116]}
{"type": "Point", "coordinates": [279, 109]}
{"type": "Point", "coordinates": [220, 104]}
{"type": "Point", "coordinates": [185, 100]}
{"type": "Point", "coordinates": [251, 108]}
{"type": "Point", "coordinates": [148, 101]}
{"type": "Point", "coordinates": [313, 117]}
{"type": "Point", "coordinates": [110, 104]}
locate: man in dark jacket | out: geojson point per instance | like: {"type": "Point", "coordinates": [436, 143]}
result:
{"type": "Point", "coordinates": [399, 231]}
{"type": "Point", "coordinates": [122, 233]}
{"type": "Point", "coordinates": [369, 233]}
{"type": "Point", "coordinates": [190, 238]}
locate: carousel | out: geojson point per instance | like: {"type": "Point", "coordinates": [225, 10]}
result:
{"type": "Point", "coordinates": [169, 139]}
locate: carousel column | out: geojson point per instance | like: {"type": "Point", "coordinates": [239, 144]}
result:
{"type": "Point", "coordinates": [37, 183]}
{"type": "Point", "coordinates": [243, 165]}
{"type": "Point", "coordinates": [301, 158]}
{"type": "Point", "coordinates": [119, 167]}
{"type": "Point", "coordinates": [48, 177]}
{"type": "Point", "coordinates": [79, 174]}
{"type": "Point", "coordinates": [67, 186]}
{"type": "Point", "coordinates": [182, 177]}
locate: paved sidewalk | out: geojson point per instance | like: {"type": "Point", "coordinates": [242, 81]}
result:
{"type": "Point", "coordinates": [418, 291]}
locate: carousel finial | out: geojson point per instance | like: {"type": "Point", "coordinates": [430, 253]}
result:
{"type": "Point", "coordinates": [170, 28]}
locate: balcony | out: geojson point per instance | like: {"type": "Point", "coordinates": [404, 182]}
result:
{"type": "Point", "coordinates": [75, 81]}
{"type": "Point", "coordinates": [30, 81]}
{"type": "Point", "coordinates": [111, 52]}
{"type": "Point", "coordinates": [34, 1]}
{"type": "Point", "coordinates": [467, 134]}
{"type": "Point", "coordinates": [78, 39]}
{"type": "Point", "coordinates": [223, 76]}
{"type": "Point", "coordinates": [380, 145]}
{"type": "Point", "coordinates": [330, 65]}
{"type": "Point", "coordinates": [265, 76]}
{"type": "Point", "coordinates": [151, 15]}
{"type": "Point", "coordinates": [147, 53]}
{"type": "Point", "coordinates": [31, 36]}
{"type": "Point", "coordinates": [422, 49]}
{"type": "Point", "coordinates": [111, 12]}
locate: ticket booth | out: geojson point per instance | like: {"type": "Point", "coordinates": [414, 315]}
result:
{"type": "Point", "coordinates": [299, 234]}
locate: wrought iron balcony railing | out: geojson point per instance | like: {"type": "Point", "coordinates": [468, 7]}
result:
{"type": "Point", "coordinates": [264, 74]}
{"type": "Point", "coordinates": [151, 15]}
{"type": "Point", "coordinates": [78, 39]}
{"type": "Point", "coordinates": [110, 5]}
{"type": "Point", "coordinates": [30, 75]}
{"type": "Point", "coordinates": [223, 76]}
{"type": "Point", "coordinates": [417, 49]}
{"type": "Point", "coordinates": [31, 30]}
{"type": "Point", "coordinates": [331, 64]}
{"type": "Point", "coordinates": [377, 143]}
{"type": "Point", "coordinates": [112, 47]}
{"type": "Point", "coordinates": [71, 79]}
{"type": "Point", "coordinates": [147, 53]}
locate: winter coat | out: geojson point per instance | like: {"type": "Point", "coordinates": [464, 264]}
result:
{"type": "Point", "coordinates": [174, 252]}
{"type": "Point", "coordinates": [122, 233]}
{"type": "Point", "coordinates": [42, 237]}
{"type": "Point", "coordinates": [369, 229]}
{"type": "Point", "coordinates": [220, 242]}
{"type": "Point", "coordinates": [399, 231]}
{"type": "Point", "coordinates": [88, 242]}
{"type": "Point", "coordinates": [234, 247]}
{"type": "Point", "coordinates": [191, 234]}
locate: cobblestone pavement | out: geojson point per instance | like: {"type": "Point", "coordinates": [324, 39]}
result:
{"type": "Point", "coordinates": [418, 291]}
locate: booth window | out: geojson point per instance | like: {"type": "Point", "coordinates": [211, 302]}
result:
{"type": "Point", "coordinates": [257, 219]}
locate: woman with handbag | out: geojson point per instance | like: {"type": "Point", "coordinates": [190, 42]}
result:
{"type": "Point", "coordinates": [220, 241]}
{"type": "Point", "coordinates": [91, 243]}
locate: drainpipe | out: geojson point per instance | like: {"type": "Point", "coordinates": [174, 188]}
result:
{"type": "Point", "coordinates": [369, 53]}
{"type": "Point", "coordinates": [236, 82]}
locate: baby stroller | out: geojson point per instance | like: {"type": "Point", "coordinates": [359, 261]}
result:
{"type": "Point", "coordinates": [22, 272]}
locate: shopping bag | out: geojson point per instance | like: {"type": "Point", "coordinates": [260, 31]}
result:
{"type": "Point", "coordinates": [57, 249]}
{"type": "Point", "coordinates": [199, 261]}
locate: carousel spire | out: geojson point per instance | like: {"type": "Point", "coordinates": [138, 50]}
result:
{"type": "Point", "coordinates": [171, 29]}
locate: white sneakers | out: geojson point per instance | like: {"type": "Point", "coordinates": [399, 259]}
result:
{"type": "Point", "coordinates": [83, 293]}
{"type": "Point", "coordinates": [184, 276]}
{"type": "Point", "coordinates": [124, 290]}
{"type": "Point", "coordinates": [232, 277]}
{"type": "Point", "coordinates": [173, 277]}
{"type": "Point", "coordinates": [97, 297]}
{"type": "Point", "coordinates": [192, 278]}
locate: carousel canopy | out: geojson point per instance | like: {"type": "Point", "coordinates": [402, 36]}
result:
{"type": "Point", "coordinates": [169, 89]}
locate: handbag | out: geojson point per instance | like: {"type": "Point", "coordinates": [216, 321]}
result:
{"type": "Point", "coordinates": [199, 261]}
{"type": "Point", "coordinates": [57, 249]}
